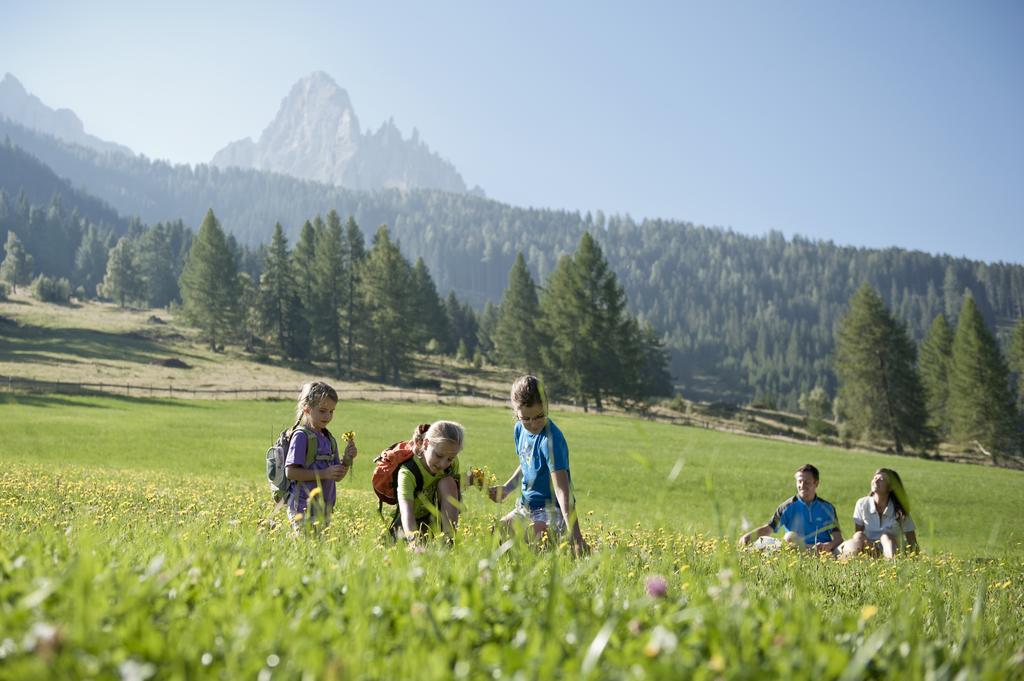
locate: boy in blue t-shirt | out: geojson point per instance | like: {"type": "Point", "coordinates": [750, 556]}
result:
{"type": "Point", "coordinates": [809, 520]}
{"type": "Point", "coordinates": [546, 500]}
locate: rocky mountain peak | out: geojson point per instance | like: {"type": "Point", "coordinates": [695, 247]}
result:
{"type": "Point", "coordinates": [316, 135]}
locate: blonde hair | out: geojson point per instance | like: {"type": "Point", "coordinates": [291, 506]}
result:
{"type": "Point", "coordinates": [438, 431]}
{"type": "Point", "coordinates": [312, 396]}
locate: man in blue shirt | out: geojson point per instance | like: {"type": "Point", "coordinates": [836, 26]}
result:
{"type": "Point", "coordinates": [809, 520]}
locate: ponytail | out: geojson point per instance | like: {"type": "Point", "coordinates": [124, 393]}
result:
{"type": "Point", "coordinates": [528, 391]}
{"type": "Point", "coordinates": [418, 434]}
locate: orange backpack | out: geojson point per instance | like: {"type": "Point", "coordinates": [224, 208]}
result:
{"type": "Point", "coordinates": [385, 472]}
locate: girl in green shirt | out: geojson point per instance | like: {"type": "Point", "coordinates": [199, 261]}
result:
{"type": "Point", "coordinates": [428, 483]}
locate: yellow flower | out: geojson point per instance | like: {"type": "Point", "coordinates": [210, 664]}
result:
{"type": "Point", "coordinates": [313, 493]}
{"type": "Point", "coordinates": [349, 435]}
{"type": "Point", "coordinates": [716, 663]}
{"type": "Point", "coordinates": [239, 572]}
{"type": "Point", "coordinates": [868, 611]}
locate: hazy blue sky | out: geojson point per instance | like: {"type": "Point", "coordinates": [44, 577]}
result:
{"type": "Point", "coordinates": [868, 123]}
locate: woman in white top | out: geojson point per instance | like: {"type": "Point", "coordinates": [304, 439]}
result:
{"type": "Point", "coordinates": [881, 518]}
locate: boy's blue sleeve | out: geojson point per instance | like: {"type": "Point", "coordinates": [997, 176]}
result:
{"type": "Point", "coordinates": [516, 430]}
{"type": "Point", "coordinates": [556, 449]}
{"type": "Point", "coordinates": [297, 449]}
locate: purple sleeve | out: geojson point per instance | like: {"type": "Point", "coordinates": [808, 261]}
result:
{"type": "Point", "coordinates": [297, 449]}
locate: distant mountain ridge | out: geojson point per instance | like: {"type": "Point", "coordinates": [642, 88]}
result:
{"type": "Point", "coordinates": [24, 108]}
{"type": "Point", "coordinates": [316, 136]}
{"type": "Point", "coordinates": [742, 316]}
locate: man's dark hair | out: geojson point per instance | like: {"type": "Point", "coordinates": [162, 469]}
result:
{"type": "Point", "coordinates": [808, 468]}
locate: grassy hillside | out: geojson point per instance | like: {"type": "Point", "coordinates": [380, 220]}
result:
{"type": "Point", "coordinates": [101, 343]}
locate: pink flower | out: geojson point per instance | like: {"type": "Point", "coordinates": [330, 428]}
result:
{"type": "Point", "coordinates": [657, 587]}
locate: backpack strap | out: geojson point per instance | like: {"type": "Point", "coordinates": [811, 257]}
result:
{"type": "Point", "coordinates": [311, 442]}
{"type": "Point", "coordinates": [334, 443]}
{"type": "Point", "coordinates": [411, 464]}
{"type": "Point", "coordinates": [415, 469]}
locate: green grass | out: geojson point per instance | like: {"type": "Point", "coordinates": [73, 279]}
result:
{"type": "Point", "coordinates": [134, 537]}
{"type": "Point", "coordinates": [621, 467]}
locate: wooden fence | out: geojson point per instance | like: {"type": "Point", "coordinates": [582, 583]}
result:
{"type": "Point", "coordinates": [465, 397]}
{"type": "Point", "coordinates": [17, 384]}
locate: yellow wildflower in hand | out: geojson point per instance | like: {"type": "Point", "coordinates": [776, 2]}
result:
{"type": "Point", "coordinates": [349, 435]}
{"type": "Point", "coordinates": [478, 477]}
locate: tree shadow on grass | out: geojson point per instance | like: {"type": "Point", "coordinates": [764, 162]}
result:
{"type": "Point", "coordinates": [41, 400]}
{"type": "Point", "coordinates": [68, 400]}
{"type": "Point", "coordinates": [66, 346]}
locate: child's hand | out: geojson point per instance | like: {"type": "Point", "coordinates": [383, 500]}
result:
{"type": "Point", "coordinates": [350, 451]}
{"type": "Point", "coordinates": [496, 493]}
{"type": "Point", "coordinates": [580, 547]}
{"type": "Point", "coordinates": [335, 472]}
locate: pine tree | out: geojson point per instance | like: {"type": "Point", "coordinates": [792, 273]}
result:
{"type": "Point", "coordinates": [280, 305]}
{"type": "Point", "coordinates": [16, 269]}
{"type": "Point", "coordinates": [980, 404]}
{"type": "Point", "coordinates": [122, 281]}
{"type": "Point", "coordinates": [557, 337]}
{"type": "Point", "coordinates": [302, 266]}
{"type": "Point", "coordinates": [355, 255]}
{"type": "Point", "coordinates": [933, 364]}
{"type": "Point", "coordinates": [462, 326]}
{"type": "Point", "coordinates": [385, 281]}
{"type": "Point", "coordinates": [329, 282]}
{"type": "Point", "coordinates": [879, 390]}
{"type": "Point", "coordinates": [209, 284]}
{"type": "Point", "coordinates": [590, 346]}
{"type": "Point", "coordinates": [609, 333]}
{"type": "Point", "coordinates": [1017, 361]}
{"type": "Point", "coordinates": [91, 261]}
{"type": "Point", "coordinates": [248, 303]}
{"type": "Point", "coordinates": [156, 267]}
{"type": "Point", "coordinates": [429, 318]}
{"type": "Point", "coordinates": [485, 332]}
{"type": "Point", "coordinates": [952, 293]}
{"type": "Point", "coordinates": [516, 342]}
{"type": "Point", "coordinates": [592, 336]}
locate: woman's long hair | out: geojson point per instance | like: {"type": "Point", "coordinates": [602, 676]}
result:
{"type": "Point", "coordinates": [897, 493]}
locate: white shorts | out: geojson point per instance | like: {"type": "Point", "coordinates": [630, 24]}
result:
{"type": "Point", "coordinates": [549, 515]}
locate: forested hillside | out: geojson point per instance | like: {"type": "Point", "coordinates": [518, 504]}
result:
{"type": "Point", "coordinates": [743, 317]}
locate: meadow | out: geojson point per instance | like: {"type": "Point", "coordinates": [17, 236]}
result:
{"type": "Point", "coordinates": [137, 540]}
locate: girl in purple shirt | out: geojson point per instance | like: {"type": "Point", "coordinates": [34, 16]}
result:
{"type": "Point", "coordinates": [317, 477]}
